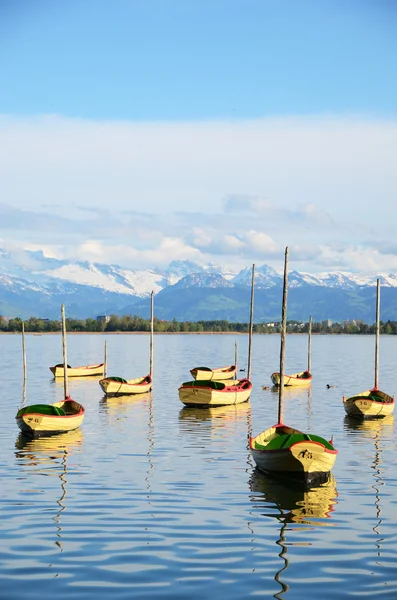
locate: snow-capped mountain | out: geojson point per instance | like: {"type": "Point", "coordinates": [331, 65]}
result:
{"type": "Point", "coordinates": [32, 284]}
{"type": "Point", "coordinates": [203, 280]}
{"type": "Point", "coordinates": [265, 277]}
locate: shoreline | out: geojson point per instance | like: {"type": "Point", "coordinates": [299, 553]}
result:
{"type": "Point", "coordinates": [131, 333]}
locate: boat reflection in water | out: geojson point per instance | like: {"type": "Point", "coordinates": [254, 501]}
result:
{"type": "Point", "coordinates": [48, 456]}
{"type": "Point", "coordinates": [293, 503]}
{"type": "Point", "coordinates": [292, 393]}
{"type": "Point", "coordinates": [214, 417]}
{"type": "Point", "coordinates": [217, 423]}
{"type": "Point", "coordinates": [381, 431]}
{"type": "Point", "coordinates": [118, 406]}
{"type": "Point", "coordinates": [298, 503]}
{"type": "Point", "coordinates": [57, 382]}
{"type": "Point", "coordinates": [370, 428]}
{"type": "Point", "coordinates": [44, 450]}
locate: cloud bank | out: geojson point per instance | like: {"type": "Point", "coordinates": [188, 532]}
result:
{"type": "Point", "coordinates": [232, 192]}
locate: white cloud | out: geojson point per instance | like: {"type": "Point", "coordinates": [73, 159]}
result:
{"type": "Point", "coordinates": [148, 193]}
{"type": "Point", "coordinates": [167, 250]}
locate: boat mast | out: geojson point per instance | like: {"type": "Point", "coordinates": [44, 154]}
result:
{"type": "Point", "coordinates": [151, 331]}
{"type": "Point", "coordinates": [105, 360]}
{"type": "Point", "coordinates": [309, 347]}
{"type": "Point", "coordinates": [235, 356]}
{"type": "Point", "coordinates": [377, 333]}
{"type": "Point", "coordinates": [251, 324]}
{"type": "Point", "coordinates": [24, 364]}
{"type": "Point", "coordinates": [65, 356]}
{"type": "Point", "coordinates": [283, 336]}
{"type": "Point", "coordinates": [24, 354]}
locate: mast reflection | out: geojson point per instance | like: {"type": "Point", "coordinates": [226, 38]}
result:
{"type": "Point", "coordinates": [294, 503]}
{"type": "Point", "coordinates": [45, 452]}
{"type": "Point", "coordinates": [376, 429]}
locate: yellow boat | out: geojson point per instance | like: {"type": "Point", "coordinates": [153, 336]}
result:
{"type": "Point", "coordinates": [114, 386]}
{"type": "Point", "coordinates": [84, 371]}
{"type": "Point", "coordinates": [215, 393]}
{"type": "Point", "coordinates": [49, 419]}
{"type": "Point", "coordinates": [369, 404]}
{"type": "Point", "coordinates": [285, 451]}
{"type": "Point", "coordinates": [291, 453]}
{"type": "Point", "coordinates": [297, 379]}
{"type": "Point", "coordinates": [207, 374]}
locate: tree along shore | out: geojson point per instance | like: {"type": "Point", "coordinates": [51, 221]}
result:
{"type": "Point", "coordinates": [115, 324]}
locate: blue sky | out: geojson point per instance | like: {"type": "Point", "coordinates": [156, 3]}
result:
{"type": "Point", "coordinates": [141, 131]}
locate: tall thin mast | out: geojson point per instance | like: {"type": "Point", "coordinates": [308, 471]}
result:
{"type": "Point", "coordinates": [283, 336]}
{"type": "Point", "coordinates": [377, 333]}
{"type": "Point", "coordinates": [235, 356]}
{"type": "Point", "coordinates": [151, 331]}
{"type": "Point", "coordinates": [24, 364]}
{"type": "Point", "coordinates": [105, 360]}
{"type": "Point", "coordinates": [251, 324]}
{"type": "Point", "coordinates": [24, 354]}
{"type": "Point", "coordinates": [309, 347]}
{"type": "Point", "coordinates": [65, 356]}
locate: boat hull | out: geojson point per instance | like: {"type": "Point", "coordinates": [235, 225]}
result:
{"type": "Point", "coordinates": [301, 379]}
{"type": "Point", "coordinates": [116, 386]}
{"type": "Point", "coordinates": [370, 404]}
{"type": "Point", "coordinates": [86, 371]}
{"type": "Point", "coordinates": [221, 374]}
{"type": "Point", "coordinates": [34, 423]}
{"type": "Point", "coordinates": [307, 459]}
{"type": "Point", "coordinates": [233, 392]}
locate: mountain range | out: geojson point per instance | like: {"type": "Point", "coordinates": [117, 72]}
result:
{"type": "Point", "coordinates": [32, 284]}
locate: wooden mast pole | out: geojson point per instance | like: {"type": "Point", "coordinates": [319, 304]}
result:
{"type": "Point", "coordinates": [65, 356]}
{"type": "Point", "coordinates": [377, 333]}
{"type": "Point", "coordinates": [151, 331]}
{"type": "Point", "coordinates": [309, 347]}
{"type": "Point", "coordinates": [24, 354]}
{"type": "Point", "coordinates": [251, 324]}
{"type": "Point", "coordinates": [235, 357]}
{"type": "Point", "coordinates": [24, 364]}
{"type": "Point", "coordinates": [105, 361]}
{"type": "Point", "coordinates": [283, 336]}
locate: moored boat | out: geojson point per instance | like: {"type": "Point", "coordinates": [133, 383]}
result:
{"type": "Point", "coordinates": [118, 386]}
{"type": "Point", "coordinates": [297, 379]}
{"type": "Point", "coordinates": [285, 451]}
{"type": "Point", "coordinates": [215, 393]}
{"type": "Point", "coordinates": [207, 374]}
{"type": "Point", "coordinates": [49, 419]}
{"type": "Point", "coordinates": [369, 404]}
{"type": "Point", "coordinates": [83, 371]}
{"type": "Point", "coordinates": [292, 453]}
{"type": "Point", "coordinates": [115, 386]}
{"type": "Point", "coordinates": [303, 378]}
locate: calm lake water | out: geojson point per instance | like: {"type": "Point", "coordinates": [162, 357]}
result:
{"type": "Point", "coordinates": [152, 500]}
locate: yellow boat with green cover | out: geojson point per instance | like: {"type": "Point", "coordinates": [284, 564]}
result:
{"type": "Point", "coordinates": [207, 374]}
{"type": "Point", "coordinates": [301, 379]}
{"type": "Point", "coordinates": [87, 371]}
{"type": "Point", "coordinates": [117, 386]}
{"type": "Point", "coordinates": [369, 404]}
{"type": "Point", "coordinates": [49, 419]}
{"type": "Point", "coordinates": [215, 393]}
{"type": "Point", "coordinates": [289, 452]}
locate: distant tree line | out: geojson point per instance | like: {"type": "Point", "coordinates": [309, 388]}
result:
{"type": "Point", "coordinates": [135, 323]}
